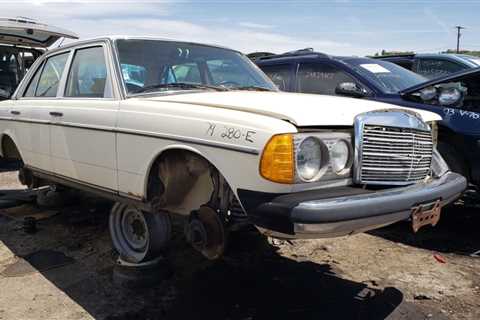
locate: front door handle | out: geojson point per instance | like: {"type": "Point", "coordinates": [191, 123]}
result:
{"type": "Point", "coordinates": [15, 112]}
{"type": "Point", "coordinates": [56, 114]}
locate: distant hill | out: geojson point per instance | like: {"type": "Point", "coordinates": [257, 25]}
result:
{"type": "Point", "coordinates": [471, 53]}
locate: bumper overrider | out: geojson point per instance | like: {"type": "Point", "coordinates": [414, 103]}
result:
{"type": "Point", "coordinates": [344, 210]}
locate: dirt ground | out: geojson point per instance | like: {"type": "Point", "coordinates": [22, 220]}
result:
{"type": "Point", "coordinates": [386, 274]}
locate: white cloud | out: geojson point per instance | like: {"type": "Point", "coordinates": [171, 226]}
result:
{"type": "Point", "coordinates": [253, 25]}
{"type": "Point", "coordinates": [156, 18]}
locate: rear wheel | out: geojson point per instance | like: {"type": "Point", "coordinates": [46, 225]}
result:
{"type": "Point", "coordinates": [138, 236]}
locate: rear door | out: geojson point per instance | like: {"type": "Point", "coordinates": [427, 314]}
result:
{"type": "Point", "coordinates": [31, 111]}
{"type": "Point", "coordinates": [83, 136]}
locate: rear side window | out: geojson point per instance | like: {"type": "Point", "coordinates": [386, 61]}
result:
{"type": "Point", "coordinates": [321, 78]}
{"type": "Point", "coordinates": [30, 92]}
{"type": "Point", "coordinates": [281, 75]}
{"type": "Point", "coordinates": [88, 74]}
{"type": "Point", "coordinates": [50, 77]}
{"type": "Point", "coordinates": [432, 68]}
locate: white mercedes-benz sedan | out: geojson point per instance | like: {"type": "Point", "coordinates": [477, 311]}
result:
{"type": "Point", "coordinates": [165, 127]}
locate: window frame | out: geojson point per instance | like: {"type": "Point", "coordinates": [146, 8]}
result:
{"type": "Point", "coordinates": [39, 69]}
{"type": "Point", "coordinates": [421, 60]}
{"type": "Point", "coordinates": [292, 69]}
{"type": "Point", "coordinates": [109, 84]}
{"type": "Point", "coordinates": [108, 90]}
{"type": "Point", "coordinates": [338, 66]}
{"type": "Point", "coordinates": [112, 72]}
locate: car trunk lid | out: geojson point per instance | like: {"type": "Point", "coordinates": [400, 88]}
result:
{"type": "Point", "coordinates": [27, 32]}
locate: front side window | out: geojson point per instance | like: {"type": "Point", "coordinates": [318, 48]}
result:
{"type": "Point", "coordinates": [50, 77]}
{"type": "Point", "coordinates": [281, 75]}
{"type": "Point", "coordinates": [169, 65]}
{"type": "Point", "coordinates": [88, 74]}
{"type": "Point", "coordinates": [320, 78]}
{"type": "Point", "coordinates": [434, 68]}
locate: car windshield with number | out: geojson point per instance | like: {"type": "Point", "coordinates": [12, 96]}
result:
{"type": "Point", "coordinates": [156, 65]}
{"type": "Point", "coordinates": [388, 77]}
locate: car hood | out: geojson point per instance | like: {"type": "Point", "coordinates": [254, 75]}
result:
{"type": "Point", "coordinates": [454, 77]}
{"type": "Point", "coordinates": [300, 109]}
{"type": "Point", "coordinates": [27, 32]}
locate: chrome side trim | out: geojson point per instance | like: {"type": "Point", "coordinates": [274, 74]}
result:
{"type": "Point", "coordinates": [165, 136]}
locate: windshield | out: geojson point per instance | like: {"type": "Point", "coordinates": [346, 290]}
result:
{"type": "Point", "coordinates": [154, 65]}
{"type": "Point", "coordinates": [387, 76]}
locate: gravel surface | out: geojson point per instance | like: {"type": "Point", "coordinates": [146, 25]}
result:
{"type": "Point", "coordinates": [390, 273]}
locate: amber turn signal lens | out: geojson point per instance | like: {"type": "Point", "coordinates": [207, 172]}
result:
{"type": "Point", "coordinates": [277, 163]}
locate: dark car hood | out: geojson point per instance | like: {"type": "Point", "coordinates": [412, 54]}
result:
{"type": "Point", "coordinates": [449, 78]}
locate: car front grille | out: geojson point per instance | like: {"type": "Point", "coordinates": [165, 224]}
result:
{"type": "Point", "coordinates": [393, 155]}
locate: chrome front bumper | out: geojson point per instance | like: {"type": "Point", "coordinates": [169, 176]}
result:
{"type": "Point", "coordinates": [333, 213]}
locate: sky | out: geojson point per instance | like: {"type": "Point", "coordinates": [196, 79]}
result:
{"type": "Point", "coordinates": [341, 27]}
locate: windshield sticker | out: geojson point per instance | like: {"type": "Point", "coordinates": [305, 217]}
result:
{"type": "Point", "coordinates": [374, 68]}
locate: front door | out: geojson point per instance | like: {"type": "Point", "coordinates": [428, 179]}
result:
{"type": "Point", "coordinates": [82, 134]}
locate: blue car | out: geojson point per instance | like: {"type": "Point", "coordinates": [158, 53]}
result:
{"type": "Point", "coordinates": [455, 97]}
{"type": "Point", "coordinates": [434, 65]}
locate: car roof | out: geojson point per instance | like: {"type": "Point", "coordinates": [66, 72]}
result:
{"type": "Point", "coordinates": [126, 37]}
{"type": "Point", "coordinates": [308, 54]}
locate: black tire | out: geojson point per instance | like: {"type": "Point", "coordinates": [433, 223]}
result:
{"type": "Point", "coordinates": [454, 159]}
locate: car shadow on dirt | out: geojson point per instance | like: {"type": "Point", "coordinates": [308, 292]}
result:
{"type": "Point", "coordinates": [253, 281]}
{"type": "Point", "coordinates": [457, 232]}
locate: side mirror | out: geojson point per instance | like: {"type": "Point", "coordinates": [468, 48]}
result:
{"type": "Point", "coordinates": [350, 89]}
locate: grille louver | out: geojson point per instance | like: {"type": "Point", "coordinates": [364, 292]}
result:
{"type": "Point", "coordinates": [393, 155]}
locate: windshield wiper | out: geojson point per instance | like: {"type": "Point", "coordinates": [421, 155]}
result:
{"type": "Point", "coordinates": [180, 85]}
{"type": "Point", "coordinates": [252, 88]}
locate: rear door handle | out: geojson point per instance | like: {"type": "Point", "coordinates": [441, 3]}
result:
{"type": "Point", "coordinates": [56, 114]}
{"type": "Point", "coordinates": [15, 112]}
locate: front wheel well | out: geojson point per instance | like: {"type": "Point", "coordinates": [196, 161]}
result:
{"type": "Point", "coordinates": [182, 180]}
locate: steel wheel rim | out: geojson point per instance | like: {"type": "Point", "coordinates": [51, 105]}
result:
{"type": "Point", "coordinates": [134, 229]}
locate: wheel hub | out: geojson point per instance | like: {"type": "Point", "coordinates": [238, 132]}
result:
{"type": "Point", "coordinates": [206, 233]}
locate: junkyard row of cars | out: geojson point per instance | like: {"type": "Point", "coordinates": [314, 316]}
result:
{"type": "Point", "coordinates": [314, 146]}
